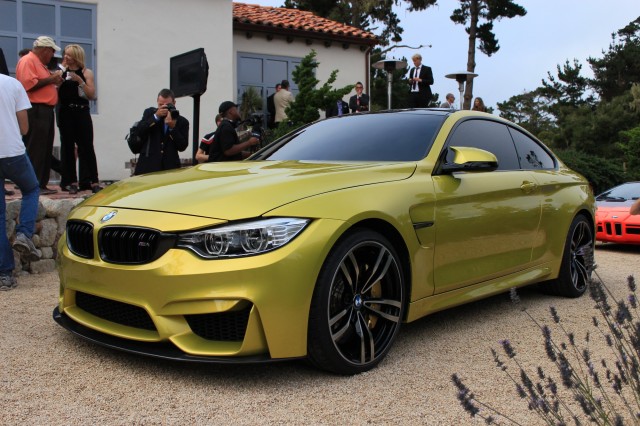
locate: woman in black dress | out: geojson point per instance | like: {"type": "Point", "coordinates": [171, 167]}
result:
{"type": "Point", "coordinates": [74, 122]}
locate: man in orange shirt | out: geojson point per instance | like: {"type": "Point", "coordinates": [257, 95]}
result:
{"type": "Point", "coordinates": [41, 86]}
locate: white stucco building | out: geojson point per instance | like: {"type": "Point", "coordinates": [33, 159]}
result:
{"type": "Point", "coordinates": [129, 45]}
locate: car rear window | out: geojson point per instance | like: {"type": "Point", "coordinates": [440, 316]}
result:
{"type": "Point", "coordinates": [404, 136]}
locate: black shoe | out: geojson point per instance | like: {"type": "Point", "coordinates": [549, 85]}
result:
{"type": "Point", "coordinates": [95, 188]}
{"type": "Point", "coordinates": [73, 189]}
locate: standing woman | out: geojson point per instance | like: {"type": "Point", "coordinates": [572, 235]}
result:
{"type": "Point", "coordinates": [478, 105]}
{"type": "Point", "coordinates": [76, 127]}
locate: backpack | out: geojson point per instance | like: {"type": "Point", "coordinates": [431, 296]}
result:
{"type": "Point", "coordinates": [133, 139]}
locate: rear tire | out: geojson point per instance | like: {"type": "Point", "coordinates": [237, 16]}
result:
{"type": "Point", "coordinates": [357, 305]}
{"type": "Point", "coordinates": [577, 261]}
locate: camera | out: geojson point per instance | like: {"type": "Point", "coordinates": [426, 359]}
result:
{"type": "Point", "coordinates": [173, 111]}
{"type": "Point", "coordinates": [255, 121]}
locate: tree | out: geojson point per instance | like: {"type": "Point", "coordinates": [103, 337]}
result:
{"type": "Point", "coordinates": [363, 14]}
{"type": "Point", "coordinates": [470, 13]}
{"type": "Point", "coordinates": [310, 99]}
{"type": "Point", "coordinates": [619, 68]}
{"type": "Point", "coordinates": [529, 111]}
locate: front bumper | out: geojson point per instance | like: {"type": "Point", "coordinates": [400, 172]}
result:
{"type": "Point", "coordinates": [613, 231]}
{"type": "Point", "coordinates": [156, 350]}
{"type": "Point", "coordinates": [170, 307]}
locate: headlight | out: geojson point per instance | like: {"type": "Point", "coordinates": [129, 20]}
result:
{"type": "Point", "coordinates": [243, 239]}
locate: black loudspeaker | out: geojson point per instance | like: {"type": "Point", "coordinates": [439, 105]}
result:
{"type": "Point", "coordinates": [189, 73]}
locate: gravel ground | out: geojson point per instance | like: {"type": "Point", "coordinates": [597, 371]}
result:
{"type": "Point", "coordinates": [48, 376]}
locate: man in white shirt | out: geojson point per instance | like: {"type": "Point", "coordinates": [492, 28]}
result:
{"type": "Point", "coordinates": [449, 102]}
{"type": "Point", "coordinates": [281, 100]}
{"type": "Point", "coordinates": [16, 166]}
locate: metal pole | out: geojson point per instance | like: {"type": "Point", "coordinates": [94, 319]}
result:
{"type": "Point", "coordinates": [196, 127]}
{"type": "Point", "coordinates": [389, 81]}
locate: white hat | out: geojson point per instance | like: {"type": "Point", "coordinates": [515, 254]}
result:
{"type": "Point", "coordinates": [45, 41]}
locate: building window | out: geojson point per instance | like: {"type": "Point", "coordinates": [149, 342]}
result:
{"type": "Point", "coordinates": [22, 21]}
{"type": "Point", "coordinates": [263, 72]}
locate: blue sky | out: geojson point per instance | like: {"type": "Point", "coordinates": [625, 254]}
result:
{"type": "Point", "coordinates": [551, 32]}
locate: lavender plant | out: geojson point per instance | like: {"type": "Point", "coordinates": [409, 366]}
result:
{"type": "Point", "coordinates": [603, 393]}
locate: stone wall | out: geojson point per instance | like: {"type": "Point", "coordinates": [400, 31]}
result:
{"type": "Point", "coordinates": [50, 224]}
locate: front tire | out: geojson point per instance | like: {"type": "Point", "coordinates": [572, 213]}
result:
{"type": "Point", "coordinates": [577, 261]}
{"type": "Point", "coordinates": [357, 305]}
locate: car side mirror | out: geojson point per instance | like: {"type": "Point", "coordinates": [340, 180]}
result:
{"type": "Point", "coordinates": [467, 159]}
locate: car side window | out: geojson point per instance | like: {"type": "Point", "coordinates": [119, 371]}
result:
{"type": "Point", "coordinates": [532, 155]}
{"type": "Point", "coordinates": [490, 136]}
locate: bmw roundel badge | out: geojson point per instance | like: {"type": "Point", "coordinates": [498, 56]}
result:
{"type": "Point", "coordinates": [108, 216]}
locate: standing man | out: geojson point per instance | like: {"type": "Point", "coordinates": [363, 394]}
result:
{"type": "Point", "coordinates": [271, 107]}
{"type": "Point", "coordinates": [420, 81]}
{"type": "Point", "coordinates": [360, 101]}
{"type": "Point", "coordinates": [165, 133]}
{"type": "Point", "coordinates": [449, 102]}
{"type": "Point", "coordinates": [41, 86]}
{"type": "Point", "coordinates": [282, 99]}
{"type": "Point", "coordinates": [227, 145]}
{"type": "Point", "coordinates": [15, 165]}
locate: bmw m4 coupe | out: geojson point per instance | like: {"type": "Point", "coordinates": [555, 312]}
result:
{"type": "Point", "coordinates": [322, 244]}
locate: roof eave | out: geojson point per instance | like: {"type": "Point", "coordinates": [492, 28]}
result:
{"type": "Point", "coordinates": [316, 35]}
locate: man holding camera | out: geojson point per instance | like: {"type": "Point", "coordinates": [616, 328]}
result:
{"type": "Point", "coordinates": [227, 145]}
{"type": "Point", "coordinates": [165, 132]}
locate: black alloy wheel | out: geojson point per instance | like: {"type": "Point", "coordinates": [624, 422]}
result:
{"type": "Point", "coordinates": [577, 261]}
{"type": "Point", "coordinates": [358, 304]}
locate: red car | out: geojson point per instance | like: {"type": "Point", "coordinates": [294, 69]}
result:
{"type": "Point", "coordinates": [614, 223]}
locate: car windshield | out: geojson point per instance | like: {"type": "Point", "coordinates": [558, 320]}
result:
{"type": "Point", "coordinates": [629, 191]}
{"type": "Point", "coordinates": [386, 136]}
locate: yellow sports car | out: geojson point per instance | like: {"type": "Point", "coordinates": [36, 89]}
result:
{"type": "Point", "coordinates": [322, 243]}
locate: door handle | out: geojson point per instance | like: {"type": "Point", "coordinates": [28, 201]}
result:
{"type": "Point", "coordinates": [528, 187]}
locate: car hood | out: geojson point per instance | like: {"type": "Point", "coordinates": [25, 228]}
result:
{"type": "Point", "coordinates": [237, 190]}
{"type": "Point", "coordinates": [614, 206]}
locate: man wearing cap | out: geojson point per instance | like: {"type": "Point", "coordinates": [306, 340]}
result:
{"type": "Point", "coordinates": [227, 146]}
{"type": "Point", "coordinates": [165, 134]}
{"type": "Point", "coordinates": [41, 86]}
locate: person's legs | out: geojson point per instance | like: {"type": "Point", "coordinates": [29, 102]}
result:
{"type": "Point", "coordinates": [20, 171]}
{"type": "Point", "coordinates": [39, 141]}
{"type": "Point", "coordinates": [7, 263]}
{"type": "Point", "coordinates": [67, 147]}
{"type": "Point", "coordinates": [86, 153]}
{"type": "Point", "coordinates": [24, 176]}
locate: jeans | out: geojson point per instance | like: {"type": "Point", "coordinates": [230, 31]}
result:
{"type": "Point", "coordinates": [20, 171]}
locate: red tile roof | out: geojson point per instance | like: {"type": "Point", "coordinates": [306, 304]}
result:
{"type": "Point", "coordinates": [277, 19]}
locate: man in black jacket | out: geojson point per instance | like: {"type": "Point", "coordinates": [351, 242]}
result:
{"type": "Point", "coordinates": [360, 101]}
{"type": "Point", "coordinates": [420, 81]}
{"type": "Point", "coordinates": [165, 133]}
